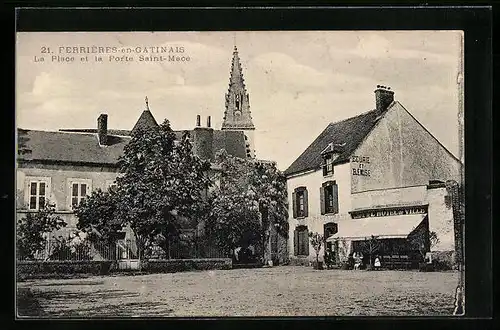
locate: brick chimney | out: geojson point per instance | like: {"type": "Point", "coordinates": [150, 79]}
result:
{"type": "Point", "coordinates": [203, 138]}
{"type": "Point", "coordinates": [102, 129]}
{"type": "Point", "coordinates": [208, 122]}
{"type": "Point", "coordinates": [383, 98]}
{"type": "Point", "coordinates": [198, 120]}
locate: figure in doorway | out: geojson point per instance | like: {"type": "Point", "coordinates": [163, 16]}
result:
{"type": "Point", "coordinates": [377, 263]}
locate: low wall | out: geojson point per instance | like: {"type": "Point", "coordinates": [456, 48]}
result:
{"type": "Point", "coordinates": [63, 269]}
{"type": "Point", "coordinates": [179, 265]}
{"type": "Point", "coordinates": [305, 261]}
{"type": "Point", "coordinates": [37, 269]}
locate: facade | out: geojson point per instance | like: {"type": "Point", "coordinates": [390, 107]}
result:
{"type": "Point", "coordinates": [65, 166]}
{"type": "Point", "coordinates": [379, 174]}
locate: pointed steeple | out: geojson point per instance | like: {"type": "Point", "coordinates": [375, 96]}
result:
{"type": "Point", "coordinates": [146, 119]}
{"type": "Point", "coordinates": [237, 113]}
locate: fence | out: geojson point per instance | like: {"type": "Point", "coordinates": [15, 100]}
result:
{"type": "Point", "coordinates": [65, 250]}
{"type": "Point", "coordinates": [191, 249]}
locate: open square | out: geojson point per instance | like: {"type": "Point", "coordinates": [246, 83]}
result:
{"type": "Point", "coordinates": [278, 291]}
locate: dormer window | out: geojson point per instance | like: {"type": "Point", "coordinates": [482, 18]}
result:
{"type": "Point", "coordinates": [329, 154]}
{"type": "Point", "coordinates": [328, 165]}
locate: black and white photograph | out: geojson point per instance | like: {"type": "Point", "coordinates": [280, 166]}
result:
{"type": "Point", "coordinates": [240, 173]}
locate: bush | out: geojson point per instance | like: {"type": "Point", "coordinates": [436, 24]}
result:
{"type": "Point", "coordinates": [345, 266]}
{"type": "Point", "coordinates": [35, 269]}
{"type": "Point", "coordinates": [443, 260]}
{"type": "Point", "coordinates": [31, 230]}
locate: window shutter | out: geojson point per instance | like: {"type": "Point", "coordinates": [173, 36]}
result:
{"type": "Point", "coordinates": [294, 204]}
{"type": "Point", "coordinates": [296, 242]}
{"type": "Point", "coordinates": [322, 199]}
{"type": "Point", "coordinates": [335, 199]}
{"type": "Point", "coordinates": [324, 168]}
{"type": "Point", "coordinates": [306, 240]}
{"type": "Point", "coordinates": [306, 204]}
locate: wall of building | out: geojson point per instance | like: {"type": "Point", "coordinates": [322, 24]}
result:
{"type": "Point", "coordinates": [441, 219]}
{"type": "Point", "coordinates": [315, 220]}
{"type": "Point", "coordinates": [59, 189]}
{"type": "Point", "coordinates": [401, 154]}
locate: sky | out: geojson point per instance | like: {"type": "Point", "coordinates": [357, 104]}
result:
{"type": "Point", "coordinates": [298, 82]}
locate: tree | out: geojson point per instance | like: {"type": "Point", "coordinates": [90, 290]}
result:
{"type": "Point", "coordinates": [268, 185]}
{"type": "Point", "coordinates": [31, 230]}
{"type": "Point", "coordinates": [424, 242]}
{"type": "Point", "coordinates": [317, 243]}
{"type": "Point", "coordinates": [234, 217]}
{"type": "Point", "coordinates": [22, 139]}
{"type": "Point", "coordinates": [371, 245]}
{"type": "Point", "coordinates": [250, 199]}
{"type": "Point", "coordinates": [161, 185]}
{"type": "Point", "coordinates": [97, 216]}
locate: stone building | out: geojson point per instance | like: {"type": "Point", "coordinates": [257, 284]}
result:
{"type": "Point", "coordinates": [380, 174]}
{"type": "Point", "coordinates": [65, 166]}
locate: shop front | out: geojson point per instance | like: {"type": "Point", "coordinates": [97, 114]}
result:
{"type": "Point", "coordinates": [397, 236]}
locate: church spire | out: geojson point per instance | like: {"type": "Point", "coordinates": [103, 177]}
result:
{"type": "Point", "coordinates": [237, 113]}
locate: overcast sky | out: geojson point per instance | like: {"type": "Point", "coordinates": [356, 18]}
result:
{"type": "Point", "coordinates": [298, 81]}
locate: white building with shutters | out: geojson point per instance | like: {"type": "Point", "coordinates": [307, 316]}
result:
{"type": "Point", "coordinates": [378, 174]}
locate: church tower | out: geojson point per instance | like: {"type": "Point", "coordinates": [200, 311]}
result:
{"type": "Point", "coordinates": [237, 116]}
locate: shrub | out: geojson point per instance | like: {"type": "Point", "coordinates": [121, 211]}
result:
{"type": "Point", "coordinates": [316, 240]}
{"type": "Point", "coordinates": [36, 269]}
{"type": "Point", "coordinates": [31, 231]}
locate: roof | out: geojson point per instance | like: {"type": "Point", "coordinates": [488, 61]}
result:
{"type": "Point", "coordinates": [399, 226]}
{"type": "Point", "coordinates": [232, 141]}
{"type": "Point", "coordinates": [71, 147]}
{"type": "Point", "coordinates": [348, 134]}
{"type": "Point", "coordinates": [145, 121]}
{"type": "Point", "coordinates": [82, 145]}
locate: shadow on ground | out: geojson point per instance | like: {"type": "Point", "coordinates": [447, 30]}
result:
{"type": "Point", "coordinates": [28, 303]}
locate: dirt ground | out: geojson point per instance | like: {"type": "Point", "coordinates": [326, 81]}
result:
{"type": "Point", "coordinates": [278, 291]}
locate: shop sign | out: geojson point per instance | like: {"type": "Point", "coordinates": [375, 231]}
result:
{"type": "Point", "coordinates": [360, 165]}
{"type": "Point", "coordinates": [389, 212]}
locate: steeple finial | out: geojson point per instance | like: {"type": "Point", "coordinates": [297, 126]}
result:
{"type": "Point", "coordinates": [147, 104]}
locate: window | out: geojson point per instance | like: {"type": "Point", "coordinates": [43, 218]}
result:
{"type": "Point", "coordinates": [78, 192]}
{"type": "Point", "coordinates": [329, 198]}
{"type": "Point", "coordinates": [78, 189]}
{"type": "Point", "coordinates": [301, 241]}
{"type": "Point", "coordinates": [37, 195]}
{"type": "Point", "coordinates": [300, 203]}
{"type": "Point", "coordinates": [329, 229]}
{"type": "Point", "coordinates": [328, 165]}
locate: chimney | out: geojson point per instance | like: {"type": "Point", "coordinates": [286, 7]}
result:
{"type": "Point", "coordinates": [102, 129]}
{"type": "Point", "coordinates": [198, 120]}
{"type": "Point", "coordinates": [203, 140]}
{"type": "Point", "coordinates": [383, 98]}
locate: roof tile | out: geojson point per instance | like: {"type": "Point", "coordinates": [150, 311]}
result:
{"type": "Point", "coordinates": [347, 133]}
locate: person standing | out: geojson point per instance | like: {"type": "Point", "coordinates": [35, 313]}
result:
{"type": "Point", "coordinates": [377, 263]}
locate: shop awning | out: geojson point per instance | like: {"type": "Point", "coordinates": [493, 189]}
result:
{"type": "Point", "coordinates": [398, 226]}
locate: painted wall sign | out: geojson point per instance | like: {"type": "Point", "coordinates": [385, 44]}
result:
{"type": "Point", "coordinates": [389, 212]}
{"type": "Point", "coordinates": [360, 165]}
